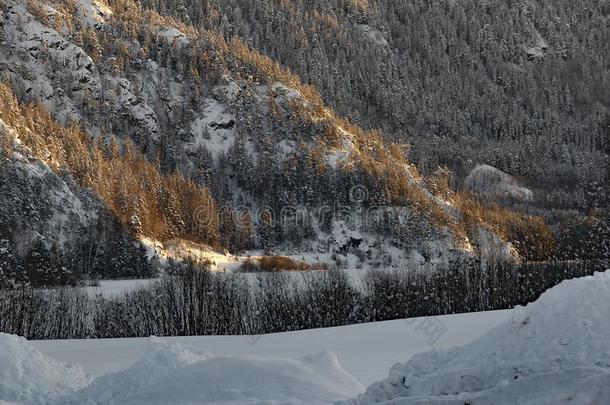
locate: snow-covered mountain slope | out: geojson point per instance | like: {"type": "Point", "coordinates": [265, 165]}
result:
{"type": "Point", "coordinates": [57, 211]}
{"type": "Point", "coordinates": [395, 67]}
{"type": "Point", "coordinates": [232, 121]}
{"type": "Point", "coordinates": [53, 230]}
{"type": "Point", "coordinates": [553, 351]}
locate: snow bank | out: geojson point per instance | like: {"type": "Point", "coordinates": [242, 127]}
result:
{"type": "Point", "coordinates": [488, 179]}
{"type": "Point", "coordinates": [94, 12]}
{"type": "Point", "coordinates": [160, 362]}
{"type": "Point", "coordinates": [28, 376]}
{"type": "Point", "coordinates": [171, 374]}
{"type": "Point", "coordinates": [555, 350]}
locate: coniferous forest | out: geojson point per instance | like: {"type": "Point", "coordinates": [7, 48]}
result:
{"type": "Point", "coordinates": [276, 201]}
{"type": "Point", "coordinates": [456, 153]}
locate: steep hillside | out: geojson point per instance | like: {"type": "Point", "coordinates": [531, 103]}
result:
{"type": "Point", "coordinates": [178, 133]}
{"type": "Point", "coordinates": [518, 85]}
{"type": "Point", "coordinates": [53, 230]}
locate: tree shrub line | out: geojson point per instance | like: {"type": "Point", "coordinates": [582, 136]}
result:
{"type": "Point", "coordinates": [191, 301]}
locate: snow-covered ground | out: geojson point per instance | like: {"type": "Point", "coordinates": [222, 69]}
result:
{"type": "Point", "coordinates": [489, 180]}
{"type": "Point", "coordinates": [112, 288]}
{"type": "Point", "coordinates": [171, 374]}
{"type": "Point", "coordinates": [554, 351]}
{"type": "Point", "coordinates": [28, 376]}
{"type": "Point", "coordinates": [366, 351]}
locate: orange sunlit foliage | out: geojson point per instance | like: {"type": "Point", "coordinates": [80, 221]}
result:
{"type": "Point", "coordinates": [153, 204]}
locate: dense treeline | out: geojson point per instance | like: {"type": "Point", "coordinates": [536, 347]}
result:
{"type": "Point", "coordinates": [520, 85]}
{"type": "Point", "coordinates": [191, 301]}
{"type": "Point", "coordinates": [105, 249]}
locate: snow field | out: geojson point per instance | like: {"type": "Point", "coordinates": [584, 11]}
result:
{"type": "Point", "coordinates": [553, 351]}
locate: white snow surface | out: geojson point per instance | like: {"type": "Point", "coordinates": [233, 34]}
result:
{"type": "Point", "coordinates": [365, 351]}
{"type": "Point", "coordinates": [113, 288]}
{"type": "Point", "coordinates": [553, 351]}
{"type": "Point", "coordinates": [169, 373]}
{"type": "Point", "coordinates": [211, 129]}
{"type": "Point", "coordinates": [28, 376]}
{"type": "Point", "coordinates": [488, 179]}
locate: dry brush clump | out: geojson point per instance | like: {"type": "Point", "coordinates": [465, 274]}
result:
{"type": "Point", "coordinates": [530, 235]}
{"type": "Point", "coordinates": [278, 263]}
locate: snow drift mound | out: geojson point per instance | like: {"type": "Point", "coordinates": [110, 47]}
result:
{"type": "Point", "coordinates": [487, 179]}
{"type": "Point", "coordinates": [555, 350]}
{"type": "Point", "coordinates": [171, 374]}
{"type": "Point", "coordinates": [159, 363]}
{"type": "Point", "coordinates": [28, 376]}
